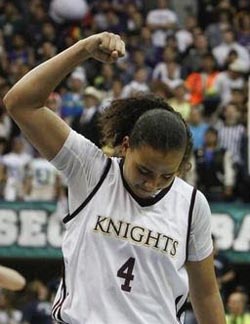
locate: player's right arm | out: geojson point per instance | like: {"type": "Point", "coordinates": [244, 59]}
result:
{"type": "Point", "coordinates": [25, 102]}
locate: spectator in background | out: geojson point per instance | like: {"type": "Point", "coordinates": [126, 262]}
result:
{"type": "Point", "coordinates": [87, 123]}
{"type": "Point", "coordinates": [201, 85]}
{"type": "Point", "coordinates": [9, 314]}
{"type": "Point", "coordinates": [224, 271]}
{"type": "Point", "coordinates": [168, 69]}
{"type": "Point", "coordinates": [15, 162]}
{"type": "Point", "coordinates": [45, 51]}
{"type": "Point", "coordinates": [54, 102]}
{"type": "Point", "coordinates": [37, 308]}
{"type": "Point", "coordinates": [179, 100]}
{"type": "Point", "coordinates": [11, 22]}
{"type": "Point", "coordinates": [20, 51]}
{"type": "Point", "coordinates": [239, 98]}
{"type": "Point", "coordinates": [192, 60]}
{"type": "Point", "coordinates": [229, 43]}
{"type": "Point", "coordinates": [72, 101]}
{"type": "Point", "coordinates": [214, 168]}
{"type": "Point", "coordinates": [134, 19]}
{"type": "Point", "coordinates": [160, 21]}
{"type": "Point", "coordinates": [5, 124]}
{"type": "Point", "coordinates": [232, 78]}
{"type": "Point", "coordinates": [137, 85]}
{"type": "Point", "coordinates": [198, 126]}
{"type": "Point", "coordinates": [214, 30]}
{"type": "Point", "coordinates": [184, 35]}
{"type": "Point", "coordinates": [242, 22]}
{"type": "Point", "coordinates": [104, 80]}
{"type": "Point", "coordinates": [114, 93]}
{"type": "Point", "coordinates": [152, 54]}
{"type": "Point", "coordinates": [231, 133]}
{"type": "Point", "coordinates": [42, 181]}
{"type": "Point", "coordinates": [237, 312]}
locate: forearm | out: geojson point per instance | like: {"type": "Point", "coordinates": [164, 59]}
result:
{"type": "Point", "coordinates": [34, 88]}
{"type": "Point", "coordinates": [209, 309]}
{"type": "Point", "coordinates": [11, 279]}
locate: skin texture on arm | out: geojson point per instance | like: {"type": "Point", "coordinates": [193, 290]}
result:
{"type": "Point", "coordinates": [25, 102]}
{"type": "Point", "coordinates": [11, 279]}
{"type": "Point", "coordinates": [204, 293]}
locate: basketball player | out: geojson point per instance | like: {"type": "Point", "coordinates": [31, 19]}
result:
{"type": "Point", "coordinates": [138, 238]}
{"type": "Point", "coordinates": [11, 279]}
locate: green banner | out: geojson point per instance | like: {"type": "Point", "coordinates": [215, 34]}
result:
{"type": "Point", "coordinates": [35, 230]}
{"type": "Point", "coordinates": [231, 227]}
{"type": "Point", "coordinates": [30, 230]}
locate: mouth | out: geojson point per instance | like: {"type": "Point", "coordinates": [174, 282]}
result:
{"type": "Point", "coordinates": [146, 193]}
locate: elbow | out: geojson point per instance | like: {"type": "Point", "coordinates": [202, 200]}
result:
{"type": "Point", "coordinates": [9, 102]}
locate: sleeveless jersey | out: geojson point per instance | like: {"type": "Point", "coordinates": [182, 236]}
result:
{"type": "Point", "coordinates": [124, 257]}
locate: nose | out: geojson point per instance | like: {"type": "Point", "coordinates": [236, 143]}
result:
{"type": "Point", "coordinates": [152, 184]}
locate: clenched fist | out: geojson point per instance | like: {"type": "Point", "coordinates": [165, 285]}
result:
{"type": "Point", "coordinates": [105, 47]}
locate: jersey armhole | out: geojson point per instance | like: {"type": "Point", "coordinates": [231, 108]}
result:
{"type": "Point", "coordinates": [67, 218]}
{"type": "Point", "coordinates": [190, 216]}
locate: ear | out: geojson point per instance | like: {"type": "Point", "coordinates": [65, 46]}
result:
{"type": "Point", "coordinates": [124, 146]}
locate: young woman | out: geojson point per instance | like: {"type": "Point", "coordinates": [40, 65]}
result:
{"type": "Point", "coordinates": [137, 238]}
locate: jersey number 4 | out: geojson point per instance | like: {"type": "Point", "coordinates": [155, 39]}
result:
{"type": "Point", "coordinates": [126, 272]}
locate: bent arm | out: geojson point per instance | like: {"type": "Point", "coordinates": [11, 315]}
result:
{"type": "Point", "coordinates": [25, 101]}
{"type": "Point", "coordinates": [11, 279]}
{"type": "Point", "coordinates": [204, 293]}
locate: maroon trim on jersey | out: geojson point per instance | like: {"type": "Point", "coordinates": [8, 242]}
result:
{"type": "Point", "coordinates": [144, 202]}
{"type": "Point", "coordinates": [91, 195]}
{"type": "Point", "coordinates": [190, 216]}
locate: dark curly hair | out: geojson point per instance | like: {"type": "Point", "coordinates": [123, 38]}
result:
{"type": "Point", "coordinates": [147, 120]}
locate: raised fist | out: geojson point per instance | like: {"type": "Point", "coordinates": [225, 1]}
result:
{"type": "Point", "coordinates": [105, 47]}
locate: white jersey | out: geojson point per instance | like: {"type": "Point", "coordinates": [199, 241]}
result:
{"type": "Point", "coordinates": [125, 257]}
{"type": "Point", "coordinates": [15, 165]}
{"type": "Point", "coordinates": [43, 180]}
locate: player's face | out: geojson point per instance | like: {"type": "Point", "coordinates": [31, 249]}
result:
{"type": "Point", "coordinates": [147, 171]}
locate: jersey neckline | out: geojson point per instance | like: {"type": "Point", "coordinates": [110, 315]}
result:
{"type": "Point", "coordinates": [143, 202]}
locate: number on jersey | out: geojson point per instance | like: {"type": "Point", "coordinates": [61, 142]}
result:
{"type": "Point", "coordinates": [126, 272]}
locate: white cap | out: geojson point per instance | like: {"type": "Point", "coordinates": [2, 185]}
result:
{"type": "Point", "coordinates": [238, 66]}
{"type": "Point", "coordinates": [93, 92]}
{"type": "Point", "coordinates": [79, 74]}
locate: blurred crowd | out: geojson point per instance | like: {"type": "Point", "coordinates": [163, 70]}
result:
{"type": "Point", "coordinates": [195, 54]}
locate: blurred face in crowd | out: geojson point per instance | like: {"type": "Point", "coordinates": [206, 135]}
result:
{"type": "Point", "coordinates": [195, 116]}
{"type": "Point", "coordinates": [76, 84]}
{"type": "Point", "coordinates": [117, 88]}
{"type": "Point", "coordinates": [228, 36]}
{"type": "Point", "coordinates": [211, 138]}
{"type": "Point", "coordinates": [162, 4]}
{"type": "Point", "coordinates": [236, 303]}
{"type": "Point", "coordinates": [201, 42]}
{"type": "Point", "coordinates": [17, 145]}
{"type": "Point", "coordinates": [231, 114]}
{"type": "Point", "coordinates": [141, 75]}
{"type": "Point", "coordinates": [208, 63]}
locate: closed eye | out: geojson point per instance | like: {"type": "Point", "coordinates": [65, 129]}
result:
{"type": "Point", "coordinates": [167, 176]}
{"type": "Point", "coordinates": [144, 171]}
